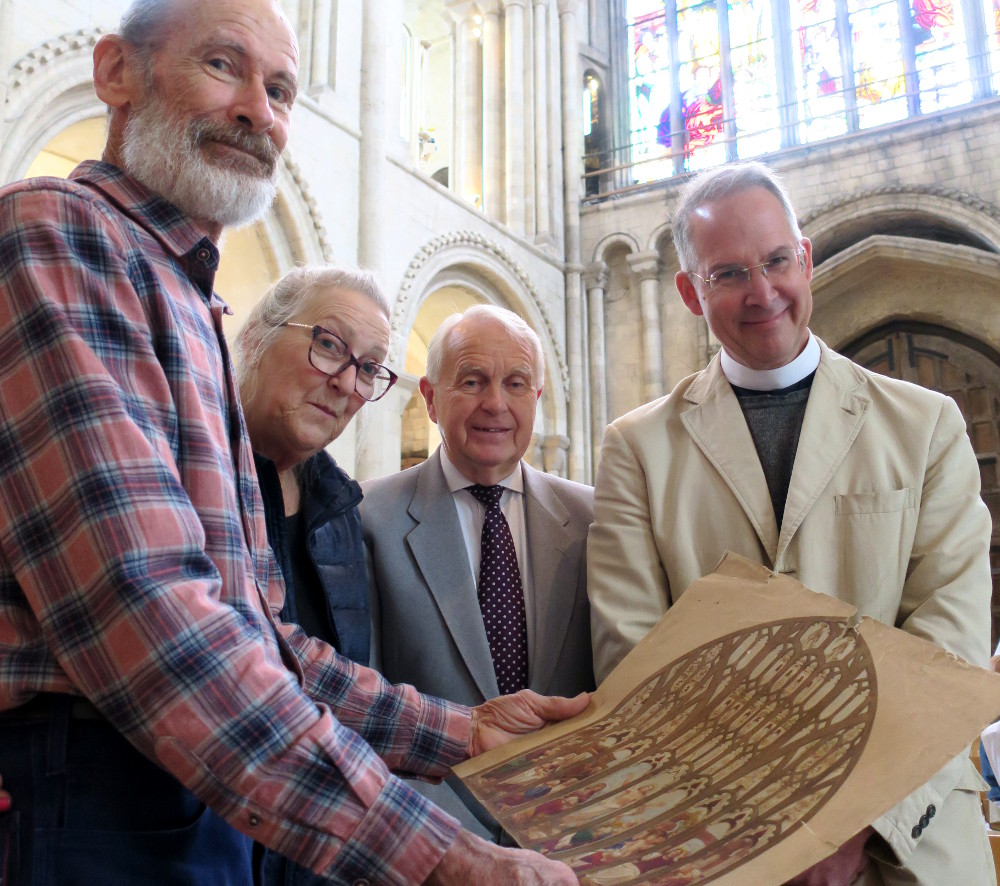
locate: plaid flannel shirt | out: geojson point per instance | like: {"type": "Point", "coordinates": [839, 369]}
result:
{"type": "Point", "coordinates": [134, 565]}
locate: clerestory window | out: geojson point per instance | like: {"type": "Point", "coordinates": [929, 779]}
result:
{"type": "Point", "coordinates": [717, 80]}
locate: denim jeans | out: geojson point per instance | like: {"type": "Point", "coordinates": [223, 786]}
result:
{"type": "Point", "coordinates": [90, 809]}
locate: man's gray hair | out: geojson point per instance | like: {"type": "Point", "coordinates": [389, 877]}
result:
{"type": "Point", "coordinates": [714, 184]}
{"type": "Point", "coordinates": [516, 327]}
{"type": "Point", "coordinates": [144, 22]}
{"type": "Point", "coordinates": [281, 302]}
{"type": "Point", "coordinates": [143, 27]}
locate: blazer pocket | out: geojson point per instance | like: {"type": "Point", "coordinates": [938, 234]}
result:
{"type": "Point", "coordinates": [888, 502]}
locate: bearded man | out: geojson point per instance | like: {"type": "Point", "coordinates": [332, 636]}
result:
{"type": "Point", "coordinates": [154, 716]}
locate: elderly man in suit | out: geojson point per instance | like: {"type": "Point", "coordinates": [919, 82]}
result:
{"type": "Point", "coordinates": [860, 486]}
{"type": "Point", "coordinates": [477, 561]}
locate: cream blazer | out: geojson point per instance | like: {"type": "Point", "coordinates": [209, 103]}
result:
{"type": "Point", "coordinates": [883, 511]}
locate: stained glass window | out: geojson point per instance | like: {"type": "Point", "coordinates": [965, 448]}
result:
{"type": "Point", "coordinates": [942, 59]}
{"type": "Point", "coordinates": [991, 10]}
{"type": "Point", "coordinates": [700, 77]}
{"type": "Point", "coordinates": [879, 75]}
{"type": "Point", "coordinates": [650, 87]}
{"type": "Point", "coordinates": [818, 69]}
{"type": "Point", "coordinates": [755, 81]}
{"type": "Point", "coordinates": [833, 67]}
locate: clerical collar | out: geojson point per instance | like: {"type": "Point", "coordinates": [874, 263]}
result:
{"type": "Point", "coordinates": [773, 379]}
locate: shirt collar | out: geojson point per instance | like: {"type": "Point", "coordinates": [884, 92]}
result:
{"type": "Point", "coordinates": [457, 481]}
{"type": "Point", "coordinates": [178, 234]}
{"type": "Point", "coordinates": [772, 379]}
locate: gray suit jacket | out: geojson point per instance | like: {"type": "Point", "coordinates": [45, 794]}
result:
{"type": "Point", "coordinates": [427, 629]}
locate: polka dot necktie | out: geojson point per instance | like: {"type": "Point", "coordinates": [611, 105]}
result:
{"type": "Point", "coordinates": [501, 597]}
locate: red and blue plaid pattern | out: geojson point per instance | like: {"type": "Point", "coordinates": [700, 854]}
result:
{"type": "Point", "coordinates": [134, 565]}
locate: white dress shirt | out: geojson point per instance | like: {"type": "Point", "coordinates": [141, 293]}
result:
{"type": "Point", "coordinates": [472, 515]}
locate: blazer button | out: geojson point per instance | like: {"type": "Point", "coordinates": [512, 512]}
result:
{"type": "Point", "coordinates": [931, 811]}
{"type": "Point", "coordinates": [916, 832]}
{"type": "Point", "coordinates": [924, 821]}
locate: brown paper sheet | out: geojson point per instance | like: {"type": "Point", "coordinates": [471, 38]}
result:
{"type": "Point", "coordinates": [755, 729]}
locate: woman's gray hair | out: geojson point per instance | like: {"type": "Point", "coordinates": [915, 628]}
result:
{"type": "Point", "coordinates": [714, 184]}
{"type": "Point", "coordinates": [518, 329]}
{"type": "Point", "coordinates": [283, 300]}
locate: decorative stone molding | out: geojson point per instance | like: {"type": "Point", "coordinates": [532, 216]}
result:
{"type": "Point", "coordinates": [82, 41]}
{"type": "Point", "coordinates": [478, 242]}
{"type": "Point", "coordinates": [951, 194]}
{"type": "Point", "coordinates": [312, 205]}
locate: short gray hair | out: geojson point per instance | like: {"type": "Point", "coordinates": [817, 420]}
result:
{"type": "Point", "coordinates": [144, 21]}
{"type": "Point", "coordinates": [516, 327]}
{"type": "Point", "coordinates": [143, 27]}
{"type": "Point", "coordinates": [281, 302]}
{"type": "Point", "coordinates": [722, 181]}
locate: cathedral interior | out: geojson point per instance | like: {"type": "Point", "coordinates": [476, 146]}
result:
{"type": "Point", "coordinates": [528, 153]}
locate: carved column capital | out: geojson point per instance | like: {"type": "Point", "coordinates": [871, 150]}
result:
{"type": "Point", "coordinates": [645, 265]}
{"type": "Point", "coordinates": [595, 275]}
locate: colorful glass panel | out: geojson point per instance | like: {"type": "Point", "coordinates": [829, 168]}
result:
{"type": "Point", "coordinates": [650, 90]}
{"type": "Point", "coordinates": [991, 11]}
{"type": "Point", "coordinates": [879, 82]}
{"type": "Point", "coordinates": [700, 78]}
{"type": "Point", "coordinates": [942, 57]}
{"type": "Point", "coordinates": [755, 79]}
{"type": "Point", "coordinates": [818, 69]}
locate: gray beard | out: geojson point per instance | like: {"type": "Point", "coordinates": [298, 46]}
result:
{"type": "Point", "coordinates": [163, 153]}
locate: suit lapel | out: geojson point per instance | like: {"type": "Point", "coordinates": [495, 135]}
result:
{"type": "Point", "coordinates": [716, 424]}
{"type": "Point", "coordinates": [546, 518]}
{"type": "Point", "coordinates": [834, 415]}
{"type": "Point", "coordinates": [437, 546]}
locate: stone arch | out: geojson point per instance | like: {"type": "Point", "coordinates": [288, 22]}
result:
{"type": "Point", "coordinates": [612, 241]}
{"type": "Point", "coordinates": [470, 260]}
{"type": "Point", "coordinates": [928, 213]}
{"type": "Point", "coordinates": [887, 278]}
{"type": "Point", "coordinates": [51, 88]}
{"type": "Point", "coordinates": [660, 237]}
{"type": "Point", "coordinates": [491, 263]}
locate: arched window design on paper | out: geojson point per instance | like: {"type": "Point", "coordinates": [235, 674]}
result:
{"type": "Point", "coordinates": [663, 789]}
{"type": "Point", "coordinates": [717, 80]}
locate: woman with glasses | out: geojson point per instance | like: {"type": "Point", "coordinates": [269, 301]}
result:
{"type": "Point", "coordinates": [307, 360]}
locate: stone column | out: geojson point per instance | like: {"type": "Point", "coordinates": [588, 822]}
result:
{"type": "Point", "coordinates": [553, 99]}
{"type": "Point", "coordinates": [554, 449]}
{"type": "Point", "coordinates": [319, 56]}
{"type": "Point", "coordinates": [373, 202]}
{"type": "Point", "coordinates": [514, 113]}
{"type": "Point", "coordinates": [595, 276]}
{"type": "Point", "coordinates": [6, 62]}
{"type": "Point", "coordinates": [572, 135]}
{"type": "Point", "coordinates": [542, 215]}
{"type": "Point", "coordinates": [380, 436]}
{"type": "Point", "coordinates": [645, 268]}
{"type": "Point", "coordinates": [468, 102]}
{"type": "Point", "coordinates": [493, 142]}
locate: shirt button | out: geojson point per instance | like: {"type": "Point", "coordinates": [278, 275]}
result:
{"type": "Point", "coordinates": [203, 255]}
{"type": "Point", "coordinates": [361, 883]}
{"type": "Point", "coordinates": [253, 819]}
{"type": "Point", "coordinates": [916, 832]}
